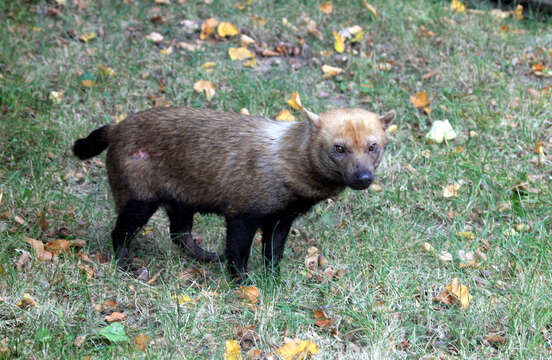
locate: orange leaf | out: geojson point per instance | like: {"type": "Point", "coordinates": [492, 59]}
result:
{"type": "Point", "coordinates": [208, 27]}
{"type": "Point", "coordinates": [115, 316]}
{"type": "Point", "coordinates": [321, 319]}
{"type": "Point", "coordinates": [420, 99]}
{"type": "Point", "coordinates": [141, 341]}
{"type": "Point", "coordinates": [285, 115]}
{"type": "Point", "coordinates": [249, 293]}
{"type": "Point", "coordinates": [326, 8]}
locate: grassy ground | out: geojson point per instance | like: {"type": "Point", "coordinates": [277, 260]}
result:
{"type": "Point", "coordinates": [382, 306]}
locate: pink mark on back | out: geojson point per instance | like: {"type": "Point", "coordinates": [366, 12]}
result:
{"type": "Point", "coordinates": [141, 155]}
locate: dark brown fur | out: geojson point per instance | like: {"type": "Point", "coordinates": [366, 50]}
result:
{"type": "Point", "coordinates": [256, 172]}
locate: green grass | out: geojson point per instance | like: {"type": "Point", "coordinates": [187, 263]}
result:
{"type": "Point", "coordinates": [482, 84]}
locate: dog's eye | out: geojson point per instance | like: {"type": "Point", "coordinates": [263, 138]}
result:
{"type": "Point", "coordinates": [372, 147]}
{"type": "Point", "coordinates": [340, 149]}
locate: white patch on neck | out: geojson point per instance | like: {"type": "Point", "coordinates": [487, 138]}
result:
{"type": "Point", "coordinates": [275, 131]}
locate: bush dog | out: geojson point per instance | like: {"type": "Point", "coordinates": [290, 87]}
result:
{"type": "Point", "coordinates": [254, 171]}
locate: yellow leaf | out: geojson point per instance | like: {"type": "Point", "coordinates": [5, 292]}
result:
{"type": "Point", "coordinates": [295, 101]}
{"type": "Point", "coordinates": [370, 8]}
{"type": "Point", "coordinates": [120, 117]}
{"type": "Point", "coordinates": [250, 63]}
{"type": "Point", "coordinates": [392, 129]}
{"type": "Point", "coordinates": [457, 6]}
{"type": "Point", "coordinates": [285, 115]}
{"type": "Point", "coordinates": [242, 6]}
{"type": "Point", "coordinates": [205, 86]}
{"type": "Point", "coordinates": [358, 36]}
{"type": "Point", "coordinates": [26, 301]}
{"type": "Point", "coordinates": [141, 341]}
{"type": "Point", "coordinates": [209, 65]}
{"type": "Point", "coordinates": [297, 349]}
{"type": "Point", "coordinates": [240, 53]}
{"type": "Point", "coordinates": [182, 299]}
{"type": "Point", "coordinates": [208, 27]}
{"type": "Point", "coordinates": [466, 235]}
{"type": "Point", "coordinates": [232, 350]}
{"type": "Point", "coordinates": [339, 44]}
{"type": "Point", "coordinates": [450, 191]}
{"type": "Point", "coordinates": [227, 29]}
{"type": "Point", "coordinates": [167, 51]}
{"type": "Point", "coordinates": [106, 70]}
{"type": "Point", "coordinates": [420, 99]}
{"type": "Point", "coordinates": [244, 111]}
{"type": "Point", "coordinates": [87, 37]}
{"type": "Point", "coordinates": [459, 292]}
{"type": "Point", "coordinates": [326, 8]}
{"type": "Point", "coordinates": [330, 71]}
{"type": "Point", "coordinates": [518, 12]}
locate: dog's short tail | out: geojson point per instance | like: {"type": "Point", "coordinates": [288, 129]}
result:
{"type": "Point", "coordinates": [93, 145]}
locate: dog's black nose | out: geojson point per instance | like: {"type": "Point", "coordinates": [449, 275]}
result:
{"type": "Point", "coordinates": [362, 180]}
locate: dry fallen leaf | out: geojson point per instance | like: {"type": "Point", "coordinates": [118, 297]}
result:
{"type": "Point", "coordinates": [339, 44]}
{"type": "Point", "coordinates": [248, 293]}
{"type": "Point", "coordinates": [311, 259]}
{"type": "Point", "coordinates": [254, 354]}
{"type": "Point", "coordinates": [208, 65]}
{"type": "Point", "coordinates": [205, 86]}
{"type": "Point", "coordinates": [297, 349]}
{"type": "Point", "coordinates": [427, 247]}
{"type": "Point", "coordinates": [370, 8]}
{"type": "Point", "coordinates": [141, 341]}
{"type": "Point", "coordinates": [23, 259]}
{"type": "Point", "coordinates": [457, 6]}
{"type": "Point", "coordinates": [87, 37]}
{"type": "Point", "coordinates": [115, 316]}
{"type": "Point", "coordinates": [208, 27]}
{"type": "Point", "coordinates": [240, 53]}
{"type": "Point", "coordinates": [518, 12]}
{"type": "Point", "coordinates": [469, 235]}
{"type": "Point", "coordinates": [38, 247]}
{"type": "Point", "coordinates": [56, 96]}
{"type": "Point", "coordinates": [60, 245]}
{"type": "Point", "coordinates": [227, 29]}
{"type": "Point", "coordinates": [330, 71]}
{"type": "Point", "coordinates": [110, 305]}
{"type": "Point", "coordinates": [321, 319]}
{"type": "Point", "coordinates": [326, 7]}
{"type": "Point", "coordinates": [106, 70]}
{"type": "Point", "coordinates": [155, 37]}
{"type": "Point", "coordinates": [232, 350]}
{"type": "Point", "coordinates": [182, 299]}
{"type": "Point", "coordinates": [445, 256]}
{"type": "Point", "coordinates": [455, 294]}
{"type": "Point", "coordinates": [26, 301]}
{"type": "Point", "coordinates": [79, 340]}
{"type": "Point", "coordinates": [420, 99]}
{"type": "Point", "coordinates": [86, 269]}
{"type": "Point", "coordinates": [450, 191]}
{"type": "Point", "coordinates": [294, 101]}
{"type": "Point", "coordinates": [250, 63]}
{"type": "Point", "coordinates": [285, 115]}
{"type": "Point", "coordinates": [244, 111]}
{"type": "Point", "coordinates": [245, 40]}
{"type": "Point", "coordinates": [495, 339]}
{"type": "Point", "coordinates": [440, 131]}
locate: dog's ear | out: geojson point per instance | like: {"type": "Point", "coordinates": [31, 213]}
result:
{"type": "Point", "coordinates": [314, 119]}
{"type": "Point", "coordinates": [387, 119]}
